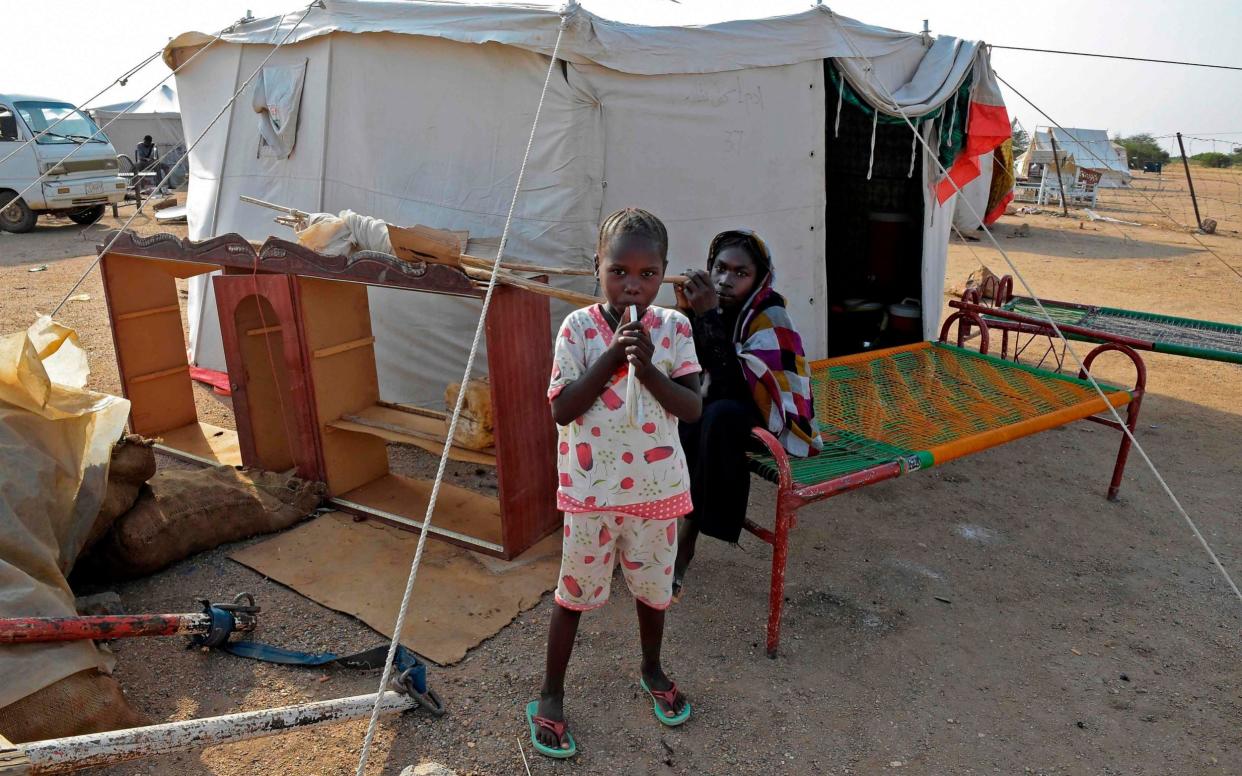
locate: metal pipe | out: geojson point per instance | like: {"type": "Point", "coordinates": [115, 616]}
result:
{"type": "Point", "coordinates": [63, 755]}
{"type": "Point", "coordinates": [40, 630]}
{"type": "Point", "coordinates": [26, 630]}
{"type": "Point", "coordinates": [1193, 199]}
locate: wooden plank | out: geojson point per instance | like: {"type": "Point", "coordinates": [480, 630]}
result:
{"type": "Point", "coordinates": [457, 509]}
{"type": "Point", "coordinates": [172, 308]}
{"type": "Point", "coordinates": [361, 342]}
{"type": "Point", "coordinates": [519, 361]}
{"type": "Point", "coordinates": [264, 330]}
{"type": "Point", "coordinates": [204, 441]}
{"type": "Point", "coordinates": [407, 428]}
{"type": "Point", "coordinates": [157, 375]}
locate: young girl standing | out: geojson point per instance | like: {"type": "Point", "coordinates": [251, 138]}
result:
{"type": "Point", "coordinates": [623, 476]}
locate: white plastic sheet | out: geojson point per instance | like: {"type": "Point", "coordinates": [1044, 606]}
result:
{"type": "Point", "coordinates": [276, 97]}
{"type": "Point", "coordinates": [56, 441]}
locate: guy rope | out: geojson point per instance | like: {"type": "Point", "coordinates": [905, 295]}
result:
{"type": "Point", "coordinates": [461, 400]}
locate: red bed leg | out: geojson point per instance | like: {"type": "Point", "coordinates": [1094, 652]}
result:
{"type": "Point", "coordinates": [1124, 452]}
{"type": "Point", "coordinates": [780, 552]}
{"type": "Point", "coordinates": [1132, 411]}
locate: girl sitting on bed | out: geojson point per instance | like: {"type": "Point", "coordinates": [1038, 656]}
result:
{"type": "Point", "coordinates": [755, 374]}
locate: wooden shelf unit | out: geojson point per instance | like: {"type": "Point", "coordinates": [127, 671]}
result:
{"type": "Point", "coordinates": [297, 336]}
{"type": "Point", "coordinates": [145, 316]}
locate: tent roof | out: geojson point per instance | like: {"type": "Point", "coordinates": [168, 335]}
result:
{"type": "Point", "coordinates": [1091, 148]}
{"type": "Point", "coordinates": [162, 100]}
{"type": "Point", "coordinates": [646, 48]}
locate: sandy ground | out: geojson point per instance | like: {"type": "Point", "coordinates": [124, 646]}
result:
{"type": "Point", "coordinates": [996, 615]}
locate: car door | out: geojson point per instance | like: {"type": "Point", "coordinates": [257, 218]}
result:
{"type": "Point", "coordinates": [19, 168]}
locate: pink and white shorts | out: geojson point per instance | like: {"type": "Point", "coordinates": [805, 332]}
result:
{"type": "Point", "coordinates": [595, 541]}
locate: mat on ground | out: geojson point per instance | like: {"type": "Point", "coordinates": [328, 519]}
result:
{"type": "Point", "coordinates": [360, 568]}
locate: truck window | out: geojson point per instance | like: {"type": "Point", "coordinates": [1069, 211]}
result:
{"type": "Point", "coordinates": [8, 124]}
{"type": "Point", "coordinates": [75, 128]}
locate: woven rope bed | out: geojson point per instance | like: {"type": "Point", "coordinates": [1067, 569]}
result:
{"type": "Point", "coordinates": [928, 403]}
{"type": "Point", "coordinates": [891, 412]}
{"type": "Point", "coordinates": [1162, 333]}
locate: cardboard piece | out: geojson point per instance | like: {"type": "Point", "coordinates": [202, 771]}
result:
{"type": "Point", "coordinates": [459, 600]}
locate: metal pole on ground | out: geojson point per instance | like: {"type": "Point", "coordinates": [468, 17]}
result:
{"type": "Point", "coordinates": [1193, 199]}
{"type": "Point", "coordinates": [1056, 160]}
{"type": "Point", "coordinates": [63, 755]}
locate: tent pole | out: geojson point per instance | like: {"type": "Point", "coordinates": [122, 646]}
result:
{"type": "Point", "coordinates": [62, 755]}
{"type": "Point", "coordinates": [1193, 199]}
{"type": "Point", "coordinates": [1056, 160]}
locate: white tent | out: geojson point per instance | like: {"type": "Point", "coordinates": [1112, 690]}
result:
{"type": "Point", "coordinates": [418, 112]}
{"type": "Point", "coordinates": [1092, 150]}
{"type": "Point", "coordinates": [158, 115]}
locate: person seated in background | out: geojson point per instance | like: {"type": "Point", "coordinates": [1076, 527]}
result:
{"type": "Point", "coordinates": [147, 160]}
{"type": "Point", "coordinates": [755, 374]}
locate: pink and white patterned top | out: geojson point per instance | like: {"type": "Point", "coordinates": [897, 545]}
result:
{"type": "Point", "coordinates": [604, 463]}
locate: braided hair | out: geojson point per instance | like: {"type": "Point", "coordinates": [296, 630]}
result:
{"type": "Point", "coordinates": [632, 221]}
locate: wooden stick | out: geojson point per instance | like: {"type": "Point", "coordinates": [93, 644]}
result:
{"type": "Point", "coordinates": [516, 266]}
{"type": "Point", "coordinates": [573, 297]}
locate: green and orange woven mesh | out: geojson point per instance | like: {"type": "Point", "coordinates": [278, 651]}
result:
{"type": "Point", "coordinates": [931, 403]}
{"type": "Point", "coordinates": [1211, 340]}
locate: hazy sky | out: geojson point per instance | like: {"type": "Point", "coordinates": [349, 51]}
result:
{"type": "Point", "coordinates": [94, 42]}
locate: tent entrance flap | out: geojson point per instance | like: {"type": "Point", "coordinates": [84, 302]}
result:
{"type": "Point", "coordinates": [874, 214]}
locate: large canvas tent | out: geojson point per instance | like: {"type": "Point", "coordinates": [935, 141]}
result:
{"type": "Point", "coordinates": [418, 112]}
{"type": "Point", "coordinates": [158, 115]}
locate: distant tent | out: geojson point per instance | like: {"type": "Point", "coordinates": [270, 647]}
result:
{"type": "Point", "coordinates": [1036, 161]}
{"type": "Point", "coordinates": [1092, 150]}
{"type": "Point", "coordinates": [158, 115]}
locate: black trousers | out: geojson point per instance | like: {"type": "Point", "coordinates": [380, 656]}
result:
{"type": "Point", "coordinates": [715, 450]}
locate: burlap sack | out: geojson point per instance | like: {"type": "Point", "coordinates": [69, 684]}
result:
{"type": "Point", "coordinates": [132, 464]}
{"type": "Point", "coordinates": [183, 512]}
{"type": "Point", "coordinates": [85, 702]}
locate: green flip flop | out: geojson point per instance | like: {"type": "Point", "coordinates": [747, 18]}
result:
{"type": "Point", "coordinates": [559, 729]}
{"type": "Point", "coordinates": [668, 696]}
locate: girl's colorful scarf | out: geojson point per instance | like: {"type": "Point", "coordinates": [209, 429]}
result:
{"type": "Point", "coordinates": [774, 363]}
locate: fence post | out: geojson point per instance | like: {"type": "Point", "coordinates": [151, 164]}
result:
{"type": "Point", "coordinates": [1193, 199]}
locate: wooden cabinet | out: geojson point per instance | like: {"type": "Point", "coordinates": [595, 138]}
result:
{"type": "Point", "coordinates": [297, 336]}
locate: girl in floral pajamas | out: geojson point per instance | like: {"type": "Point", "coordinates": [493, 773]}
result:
{"type": "Point", "coordinates": [623, 476]}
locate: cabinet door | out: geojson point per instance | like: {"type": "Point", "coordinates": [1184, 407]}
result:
{"type": "Point", "coordinates": [272, 401]}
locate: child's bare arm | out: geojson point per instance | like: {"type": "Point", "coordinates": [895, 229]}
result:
{"type": "Point", "coordinates": [678, 395]}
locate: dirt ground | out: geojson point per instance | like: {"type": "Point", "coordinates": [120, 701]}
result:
{"type": "Point", "coordinates": [996, 615]}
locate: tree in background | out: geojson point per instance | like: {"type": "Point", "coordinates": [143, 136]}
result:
{"type": "Point", "coordinates": [1141, 149]}
{"type": "Point", "coordinates": [1212, 159]}
{"type": "Point", "coordinates": [1021, 140]}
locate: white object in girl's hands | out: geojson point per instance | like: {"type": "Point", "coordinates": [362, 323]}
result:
{"type": "Point", "coordinates": [633, 396]}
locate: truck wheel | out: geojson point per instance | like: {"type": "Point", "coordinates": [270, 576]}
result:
{"type": "Point", "coordinates": [87, 215]}
{"type": "Point", "coordinates": [17, 217]}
